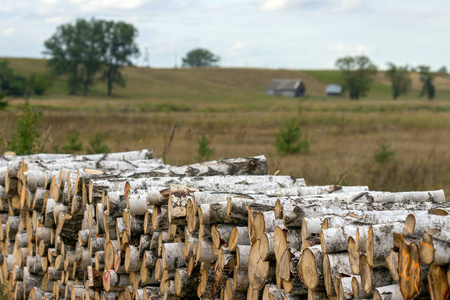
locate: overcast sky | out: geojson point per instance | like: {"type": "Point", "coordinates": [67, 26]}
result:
{"type": "Point", "coordinates": [292, 34]}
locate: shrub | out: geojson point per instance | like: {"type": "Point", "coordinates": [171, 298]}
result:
{"type": "Point", "coordinates": [25, 138]}
{"type": "Point", "coordinates": [383, 154]}
{"type": "Point", "coordinates": [204, 150]}
{"type": "Point", "coordinates": [73, 143]}
{"type": "Point", "coordinates": [3, 103]}
{"type": "Point", "coordinates": [39, 83]}
{"type": "Point", "coordinates": [96, 144]}
{"type": "Point", "coordinates": [289, 139]}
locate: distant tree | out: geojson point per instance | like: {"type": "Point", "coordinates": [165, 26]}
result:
{"type": "Point", "coordinates": [3, 103]}
{"type": "Point", "coordinates": [82, 49]}
{"type": "Point", "coordinates": [97, 144]}
{"type": "Point", "coordinates": [199, 58]}
{"type": "Point", "coordinates": [399, 78]}
{"type": "Point", "coordinates": [93, 50]}
{"type": "Point", "coordinates": [204, 150]}
{"type": "Point", "coordinates": [66, 48]}
{"type": "Point", "coordinates": [119, 47]}
{"type": "Point", "coordinates": [427, 82]}
{"type": "Point", "coordinates": [357, 73]}
{"type": "Point", "coordinates": [11, 84]}
{"type": "Point", "coordinates": [6, 75]}
{"type": "Point", "coordinates": [290, 139]}
{"type": "Point", "coordinates": [443, 70]}
{"type": "Point", "coordinates": [39, 83]}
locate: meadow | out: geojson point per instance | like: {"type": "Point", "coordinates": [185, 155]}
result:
{"type": "Point", "coordinates": [229, 106]}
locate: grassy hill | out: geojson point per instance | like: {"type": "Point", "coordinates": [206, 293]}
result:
{"type": "Point", "coordinates": [214, 85]}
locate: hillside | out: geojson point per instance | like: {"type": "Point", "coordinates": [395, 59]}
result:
{"type": "Point", "coordinates": [219, 85]}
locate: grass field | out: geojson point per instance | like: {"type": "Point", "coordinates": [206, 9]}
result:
{"type": "Point", "coordinates": [230, 107]}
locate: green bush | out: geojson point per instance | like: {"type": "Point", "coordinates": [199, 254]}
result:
{"type": "Point", "coordinates": [96, 144]}
{"type": "Point", "coordinates": [204, 150]}
{"type": "Point", "coordinates": [25, 138]}
{"type": "Point", "coordinates": [39, 83]}
{"type": "Point", "coordinates": [289, 139]}
{"type": "Point", "coordinates": [73, 143]}
{"type": "Point", "coordinates": [3, 103]}
{"type": "Point", "coordinates": [383, 154]}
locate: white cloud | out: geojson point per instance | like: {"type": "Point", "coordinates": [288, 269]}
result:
{"type": "Point", "coordinates": [349, 4]}
{"type": "Point", "coordinates": [94, 5]}
{"type": "Point", "coordinates": [8, 31]}
{"type": "Point", "coordinates": [49, 1]}
{"type": "Point", "coordinates": [272, 5]}
{"type": "Point", "coordinates": [55, 20]}
{"type": "Point", "coordinates": [362, 49]}
{"type": "Point", "coordinates": [236, 49]}
{"type": "Point", "coordinates": [339, 47]}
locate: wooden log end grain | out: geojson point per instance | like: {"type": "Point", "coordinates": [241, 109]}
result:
{"type": "Point", "coordinates": [438, 286]}
{"type": "Point", "coordinates": [310, 267]}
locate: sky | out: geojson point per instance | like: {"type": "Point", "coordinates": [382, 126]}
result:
{"type": "Point", "coordinates": [278, 34]}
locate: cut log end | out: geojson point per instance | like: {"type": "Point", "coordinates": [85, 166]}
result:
{"type": "Point", "coordinates": [308, 269]}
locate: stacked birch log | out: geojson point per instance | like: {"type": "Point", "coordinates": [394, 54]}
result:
{"type": "Point", "coordinates": [128, 226]}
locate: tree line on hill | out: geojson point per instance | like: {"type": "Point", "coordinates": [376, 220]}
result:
{"type": "Point", "coordinates": [357, 74]}
{"type": "Point", "coordinates": [82, 50]}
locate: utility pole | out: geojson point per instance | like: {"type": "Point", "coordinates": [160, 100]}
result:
{"type": "Point", "coordinates": [147, 58]}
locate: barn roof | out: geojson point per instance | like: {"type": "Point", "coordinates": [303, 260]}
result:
{"type": "Point", "coordinates": [284, 84]}
{"type": "Point", "coordinates": [333, 89]}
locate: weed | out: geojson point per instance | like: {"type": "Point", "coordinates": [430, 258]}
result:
{"type": "Point", "coordinates": [73, 143]}
{"type": "Point", "coordinates": [96, 144]}
{"type": "Point", "coordinates": [25, 137]}
{"type": "Point", "coordinates": [289, 139]}
{"type": "Point", "coordinates": [204, 150]}
{"type": "Point", "coordinates": [168, 144]}
{"type": "Point", "coordinates": [383, 154]}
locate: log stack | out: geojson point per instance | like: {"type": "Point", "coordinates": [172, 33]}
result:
{"type": "Point", "coordinates": [128, 226]}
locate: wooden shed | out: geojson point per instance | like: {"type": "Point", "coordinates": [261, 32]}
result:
{"type": "Point", "coordinates": [286, 87]}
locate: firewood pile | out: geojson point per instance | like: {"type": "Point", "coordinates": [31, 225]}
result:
{"type": "Point", "coordinates": [127, 226]}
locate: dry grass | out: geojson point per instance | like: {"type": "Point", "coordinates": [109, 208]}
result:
{"type": "Point", "coordinates": [339, 139]}
{"type": "Point", "coordinates": [230, 108]}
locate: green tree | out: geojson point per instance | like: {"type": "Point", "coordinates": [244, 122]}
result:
{"type": "Point", "coordinates": [427, 82]}
{"type": "Point", "coordinates": [119, 47]}
{"type": "Point", "coordinates": [199, 58]}
{"type": "Point", "coordinates": [384, 154]}
{"type": "Point", "coordinates": [73, 143]}
{"type": "Point", "coordinates": [65, 48]}
{"type": "Point", "coordinates": [399, 78]}
{"type": "Point", "coordinates": [204, 150]}
{"type": "Point", "coordinates": [289, 139]}
{"type": "Point", "coordinates": [25, 137]}
{"type": "Point", "coordinates": [6, 75]}
{"type": "Point", "coordinates": [97, 144]}
{"type": "Point", "coordinates": [11, 84]}
{"type": "Point", "coordinates": [39, 83]}
{"type": "Point", "coordinates": [443, 71]}
{"type": "Point", "coordinates": [3, 103]}
{"type": "Point", "coordinates": [356, 75]}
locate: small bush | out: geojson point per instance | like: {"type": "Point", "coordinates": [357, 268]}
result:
{"type": "Point", "coordinates": [383, 154]}
{"type": "Point", "coordinates": [97, 145]}
{"type": "Point", "coordinates": [3, 103]}
{"type": "Point", "coordinates": [289, 139]}
{"type": "Point", "coordinates": [73, 143]}
{"type": "Point", "coordinates": [204, 150]}
{"type": "Point", "coordinates": [25, 138]}
{"type": "Point", "coordinates": [39, 83]}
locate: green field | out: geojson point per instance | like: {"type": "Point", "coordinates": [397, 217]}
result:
{"type": "Point", "coordinates": [230, 107]}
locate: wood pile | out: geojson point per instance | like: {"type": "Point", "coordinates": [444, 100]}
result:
{"type": "Point", "coordinates": [128, 226]}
